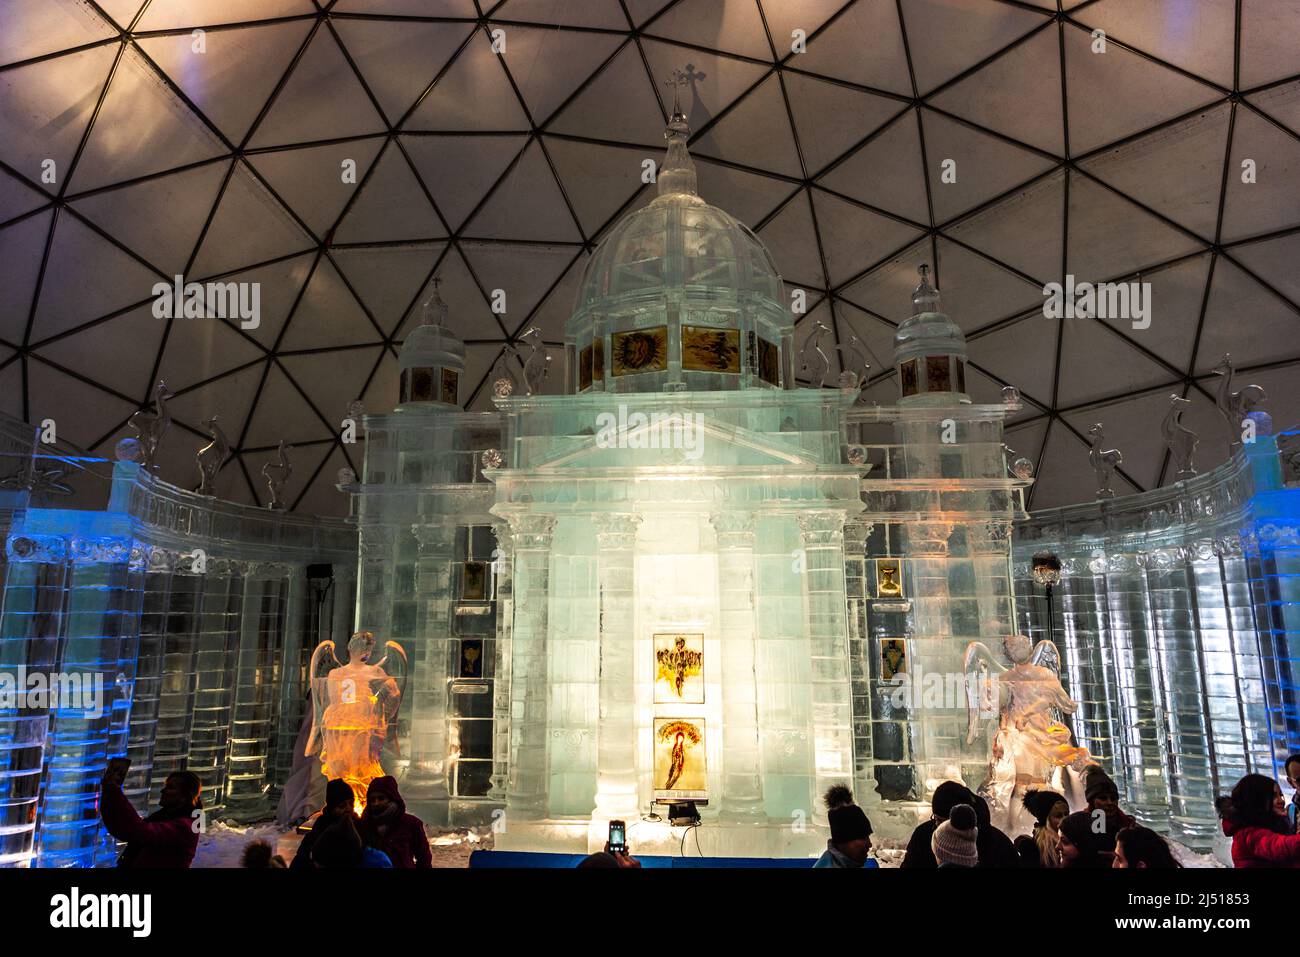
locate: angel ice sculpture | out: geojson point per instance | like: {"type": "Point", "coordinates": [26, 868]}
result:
{"type": "Point", "coordinates": [1032, 747]}
{"type": "Point", "coordinates": [355, 705]}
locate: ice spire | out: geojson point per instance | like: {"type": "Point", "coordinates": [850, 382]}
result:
{"type": "Point", "coordinates": [433, 311]}
{"type": "Point", "coordinates": [925, 298]}
{"type": "Point", "coordinates": [678, 172]}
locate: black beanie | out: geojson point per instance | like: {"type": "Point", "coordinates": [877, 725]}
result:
{"type": "Point", "coordinates": [1097, 783]}
{"type": "Point", "coordinates": [1040, 803]}
{"type": "Point", "coordinates": [848, 823]}
{"type": "Point", "coordinates": [337, 791]}
{"type": "Point", "coordinates": [948, 795]}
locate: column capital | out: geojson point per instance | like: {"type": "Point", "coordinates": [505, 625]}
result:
{"type": "Point", "coordinates": [822, 522]}
{"type": "Point", "coordinates": [735, 529]}
{"type": "Point", "coordinates": [928, 538]}
{"type": "Point", "coordinates": [856, 535]}
{"type": "Point", "coordinates": [533, 530]}
{"type": "Point", "coordinates": [616, 529]}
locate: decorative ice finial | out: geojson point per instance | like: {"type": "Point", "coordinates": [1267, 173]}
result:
{"type": "Point", "coordinates": [1235, 406]}
{"type": "Point", "coordinates": [853, 357]}
{"type": "Point", "coordinates": [1021, 467]}
{"type": "Point", "coordinates": [433, 311]}
{"type": "Point", "coordinates": [925, 298]}
{"type": "Point", "coordinates": [277, 476]}
{"type": "Point", "coordinates": [503, 380]}
{"type": "Point", "coordinates": [1010, 395]}
{"type": "Point", "coordinates": [212, 456]}
{"type": "Point", "coordinates": [1180, 439]}
{"type": "Point", "coordinates": [1103, 462]}
{"type": "Point", "coordinates": [150, 427]}
{"type": "Point", "coordinates": [820, 364]}
{"type": "Point", "coordinates": [537, 366]}
{"type": "Point", "coordinates": [346, 477]}
{"type": "Point", "coordinates": [677, 175]}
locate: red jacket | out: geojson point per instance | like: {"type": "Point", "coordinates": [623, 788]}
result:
{"type": "Point", "coordinates": [403, 839]}
{"type": "Point", "coordinates": [1254, 846]}
{"type": "Point", "coordinates": [164, 839]}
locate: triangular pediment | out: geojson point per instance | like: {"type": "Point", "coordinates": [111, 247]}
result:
{"type": "Point", "coordinates": [638, 440]}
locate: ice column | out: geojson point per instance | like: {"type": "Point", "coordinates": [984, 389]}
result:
{"type": "Point", "coordinates": [742, 790]}
{"type": "Point", "coordinates": [616, 784]}
{"type": "Point", "coordinates": [428, 683]}
{"type": "Point", "coordinates": [855, 582]}
{"type": "Point", "coordinates": [823, 544]}
{"type": "Point", "coordinates": [927, 551]}
{"type": "Point", "coordinates": [503, 581]}
{"type": "Point", "coordinates": [529, 690]}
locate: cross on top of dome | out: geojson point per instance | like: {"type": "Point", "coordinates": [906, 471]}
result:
{"type": "Point", "coordinates": [678, 172]}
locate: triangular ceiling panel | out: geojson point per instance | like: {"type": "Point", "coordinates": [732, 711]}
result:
{"type": "Point", "coordinates": [279, 284]}
{"type": "Point", "coordinates": [282, 413]}
{"type": "Point", "coordinates": [854, 238]}
{"type": "Point", "coordinates": [859, 114]}
{"type": "Point", "coordinates": [1187, 35]}
{"type": "Point", "coordinates": [1272, 201]}
{"type": "Point", "coordinates": [1140, 169]}
{"type": "Point", "coordinates": [548, 65]}
{"type": "Point", "coordinates": [1245, 319]}
{"type": "Point", "coordinates": [887, 290]}
{"type": "Point", "coordinates": [977, 291]}
{"type": "Point", "coordinates": [317, 182]}
{"type": "Point", "coordinates": [747, 196]}
{"type": "Point", "coordinates": [527, 204]}
{"type": "Point", "coordinates": [1267, 46]}
{"type": "Point", "coordinates": [1018, 94]}
{"type": "Point", "coordinates": [948, 36]}
{"type": "Point", "coordinates": [141, 128]}
{"type": "Point", "coordinates": [1129, 427]}
{"type": "Point", "coordinates": [387, 278]}
{"type": "Point", "coordinates": [171, 14]}
{"type": "Point", "coordinates": [599, 14]}
{"type": "Point", "coordinates": [1116, 367]}
{"type": "Point", "coordinates": [332, 380]}
{"type": "Point", "coordinates": [619, 104]}
{"type": "Point", "coordinates": [523, 274]}
{"type": "Point", "coordinates": [400, 58]}
{"type": "Point", "coordinates": [1111, 236]}
{"type": "Point", "coordinates": [757, 131]}
{"type": "Point", "coordinates": [159, 219]}
{"type": "Point", "coordinates": [17, 198]}
{"type": "Point", "coordinates": [968, 167]}
{"type": "Point", "coordinates": [886, 172]}
{"type": "Point", "coordinates": [731, 27]}
{"type": "Point", "coordinates": [600, 180]}
{"type": "Point", "coordinates": [322, 99]}
{"type": "Point", "coordinates": [231, 79]}
{"type": "Point", "coordinates": [35, 28]}
{"type": "Point", "coordinates": [1274, 261]}
{"type": "Point", "coordinates": [199, 350]}
{"type": "Point", "coordinates": [104, 351]}
{"type": "Point", "coordinates": [835, 48]}
{"type": "Point", "coordinates": [473, 94]}
{"type": "Point", "coordinates": [791, 238]}
{"type": "Point", "coordinates": [328, 315]}
{"type": "Point", "coordinates": [391, 205]}
{"type": "Point", "coordinates": [1024, 231]}
{"type": "Point", "coordinates": [1022, 354]}
{"type": "Point", "coordinates": [249, 228]}
{"type": "Point", "coordinates": [1137, 92]}
{"type": "Point", "coordinates": [47, 108]}
{"type": "Point", "coordinates": [459, 170]}
{"type": "Point", "coordinates": [81, 412]}
{"type": "Point", "coordinates": [715, 82]}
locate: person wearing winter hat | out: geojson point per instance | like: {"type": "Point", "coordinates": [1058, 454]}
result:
{"type": "Point", "coordinates": [850, 838]}
{"type": "Point", "coordinates": [1102, 795]}
{"type": "Point", "coordinates": [946, 796]}
{"type": "Point", "coordinates": [953, 842]}
{"type": "Point", "coordinates": [338, 804]}
{"type": "Point", "coordinates": [995, 848]}
{"type": "Point", "coordinates": [1049, 809]}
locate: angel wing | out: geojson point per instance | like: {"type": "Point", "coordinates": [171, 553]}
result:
{"type": "Point", "coordinates": [397, 666]}
{"type": "Point", "coordinates": [983, 696]}
{"type": "Point", "coordinates": [323, 661]}
{"type": "Point", "coordinates": [1046, 655]}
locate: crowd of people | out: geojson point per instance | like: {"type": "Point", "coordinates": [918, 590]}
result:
{"type": "Point", "coordinates": [1262, 826]}
{"type": "Point", "coordinates": [1263, 829]}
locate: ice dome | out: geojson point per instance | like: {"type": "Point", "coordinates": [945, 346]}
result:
{"type": "Point", "coordinates": [679, 295]}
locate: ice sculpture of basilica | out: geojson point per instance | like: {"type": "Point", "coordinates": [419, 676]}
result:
{"type": "Point", "coordinates": [683, 579]}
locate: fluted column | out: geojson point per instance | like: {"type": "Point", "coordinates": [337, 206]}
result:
{"type": "Point", "coordinates": [932, 647]}
{"type": "Point", "coordinates": [616, 783]}
{"type": "Point", "coordinates": [823, 544]}
{"type": "Point", "coordinates": [526, 790]}
{"type": "Point", "coordinates": [856, 592]}
{"type": "Point", "coordinates": [742, 786]}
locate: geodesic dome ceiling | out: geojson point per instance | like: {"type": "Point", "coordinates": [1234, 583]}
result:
{"type": "Point", "coordinates": [133, 149]}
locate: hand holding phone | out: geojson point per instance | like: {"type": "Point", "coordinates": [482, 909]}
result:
{"type": "Point", "coordinates": [117, 770]}
{"type": "Point", "coordinates": [617, 837]}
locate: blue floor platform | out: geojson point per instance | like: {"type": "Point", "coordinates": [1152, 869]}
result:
{"type": "Point", "coordinates": [513, 859]}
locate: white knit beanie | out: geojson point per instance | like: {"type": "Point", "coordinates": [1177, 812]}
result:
{"type": "Point", "coordinates": [954, 840]}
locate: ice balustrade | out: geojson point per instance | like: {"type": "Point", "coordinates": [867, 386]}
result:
{"type": "Point", "coordinates": [1155, 616]}
{"type": "Point", "coordinates": [157, 609]}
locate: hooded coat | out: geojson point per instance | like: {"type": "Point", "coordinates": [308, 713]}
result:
{"type": "Point", "coordinates": [398, 834]}
{"type": "Point", "coordinates": [166, 838]}
{"type": "Point", "coordinates": [1256, 846]}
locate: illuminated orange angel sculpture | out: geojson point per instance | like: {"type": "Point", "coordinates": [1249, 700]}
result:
{"type": "Point", "coordinates": [1032, 747]}
{"type": "Point", "coordinates": [355, 704]}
